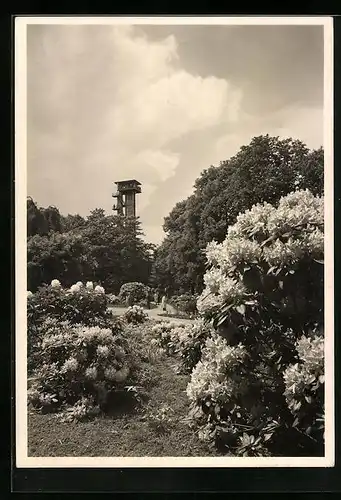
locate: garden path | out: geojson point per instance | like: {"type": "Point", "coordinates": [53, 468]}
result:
{"type": "Point", "coordinates": [153, 313]}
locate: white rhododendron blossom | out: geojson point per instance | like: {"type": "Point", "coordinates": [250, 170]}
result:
{"type": "Point", "coordinates": [89, 285]}
{"type": "Point", "coordinates": [210, 376]}
{"type": "Point", "coordinates": [29, 294]}
{"type": "Point", "coordinates": [252, 221]}
{"type": "Point", "coordinates": [99, 289]}
{"type": "Point", "coordinates": [95, 334]}
{"type": "Point", "coordinates": [213, 251]}
{"type": "Point", "coordinates": [91, 373]}
{"type": "Point", "coordinates": [75, 288]}
{"type": "Point", "coordinates": [102, 351]}
{"type": "Point", "coordinates": [208, 302]}
{"type": "Point", "coordinates": [311, 352]}
{"type": "Point", "coordinates": [231, 290]}
{"type": "Point", "coordinates": [219, 289]}
{"type": "Point", "coordinates": [234, 251]}
{"type": "Point", "coordinates": [56, 284]}
{"type": "Point", "coordinates": [70, 365]}
{"type": "Point", "coordinates": [213, 279]}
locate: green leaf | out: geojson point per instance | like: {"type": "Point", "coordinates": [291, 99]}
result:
{"type": "Point", "coordinates": [241, 309]}
{"type": "Point", "coordinates": [267, 436]}
{"type": "Point", "coordinates": [296, 422]}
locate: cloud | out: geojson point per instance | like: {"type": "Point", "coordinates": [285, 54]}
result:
{"type": "Point", "coordinates": [104, 103]}
{"type": "Point", "coordinates": [112, 102]}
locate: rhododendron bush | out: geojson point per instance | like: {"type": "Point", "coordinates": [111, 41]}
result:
{"type": "Point", "coordinates": [183, 340]}
{"type": "Point", "coordinates": [259, 386]}
{"type": "Point", "coordinates": [185, 303]}
{"type": "Point", "coordinates": [77, 304]}
{"type": "Point", "coordinates": [189, 344]}
{"type": "Point", "coordinates": [135, 314]}
{"type": "Point", "coordinates": [76, 367]}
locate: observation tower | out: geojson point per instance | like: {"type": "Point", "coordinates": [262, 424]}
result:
{"type": "Point", "coordinates": [126, 197]}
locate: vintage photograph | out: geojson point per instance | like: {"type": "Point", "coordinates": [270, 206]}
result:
{"type": "Point", "coordinates": [174, 186]}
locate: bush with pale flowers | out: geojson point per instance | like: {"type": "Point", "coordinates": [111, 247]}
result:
{"type": "Point", "coordinates": [78, 304]}
{"type": "Point", "coordinates": [263, 290]}
{"type": "Point", "coordinates": [76, 368]}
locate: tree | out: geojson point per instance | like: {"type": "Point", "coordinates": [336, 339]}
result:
{"type": "Point", "coordinates": [103, 248]}
{"type": "Point", "coordinates": [264, 170]}
{"type": "Point", "coordinates": [53, 218]}
{"type": "Point", "coordinates": [116, 249]}
{"type": "Point", "coordinates": [36, 222]}
{"type": "Point", "coordinates": [42, 220]}
{"type": "Point", "coordinates": [62, 256]}
{"type": "Point", "coordinates": [72, 222]}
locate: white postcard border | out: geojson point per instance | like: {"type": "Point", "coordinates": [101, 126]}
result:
{"type": "Point", "coordinates": [22, 458]}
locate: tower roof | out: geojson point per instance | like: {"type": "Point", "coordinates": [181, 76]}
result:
{"type": "Point", "coordinates": [130, 181]}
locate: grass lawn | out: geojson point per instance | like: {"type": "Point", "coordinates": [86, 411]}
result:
{"type": "Point", "coordinates": [133, 433]}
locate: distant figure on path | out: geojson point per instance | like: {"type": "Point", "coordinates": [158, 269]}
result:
{"type": "Point", "coordinates": [156, 297]}
{"type": "Point", "coordinates": [148, 298]}
{"type": "Point", "coordinates": [129, 300]}
{"type": "Point", "coordinates": [164, 303]}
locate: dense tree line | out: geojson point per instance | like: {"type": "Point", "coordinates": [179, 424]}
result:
{"type": "Point", "coordinates": [264, 170]}
{"type": "Point", "coordinates": [110, 250]}
{"type": "Point", "coordinates": [107, 249]}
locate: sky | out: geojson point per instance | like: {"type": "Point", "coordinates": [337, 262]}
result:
{"type": "Point", "coordinates": [160, 104]}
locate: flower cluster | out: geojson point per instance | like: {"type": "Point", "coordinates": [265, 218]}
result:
{"type": "Point", "coordinates": [56, 284]}
{"type": "Point", "coordinates": [304, 380]}
{"type": "Point", "coordinates": [296, 210]}
{"type": "Point", "coordinates": [210, 377]}
{"type": "Point", "coordinates": [188, 342]}
{"type": "Point", "coordinates": [75, 288]}
{"type": "Point", "coordinates": [209, 303]}
{"type": "Point", "coordinates": [135, 314]}
{"type": "Point", "coordinates": [166, 334]}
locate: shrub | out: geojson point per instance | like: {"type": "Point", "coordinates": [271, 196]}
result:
{"type": "Point", "coordinates": [134, 291]}
{"type": "Point", "coordinates": [190, 342]}
{"type": "Point", "coordinates": [144, 346]}
{"type": "Point", "coordinates": [263, 289]}
{"type": "Point", "coordinates": [185, 303]}
{"type": "Point", "coordinates": [166, 333]}
{"type": "Point", "coordinates": [77, 366]}
{"type": "Point", "coordinates": [113, 299]}
{"type": "Point", "coordinates": [135, 314]}
{"type": "Point", "coordinates": [78, 305]}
